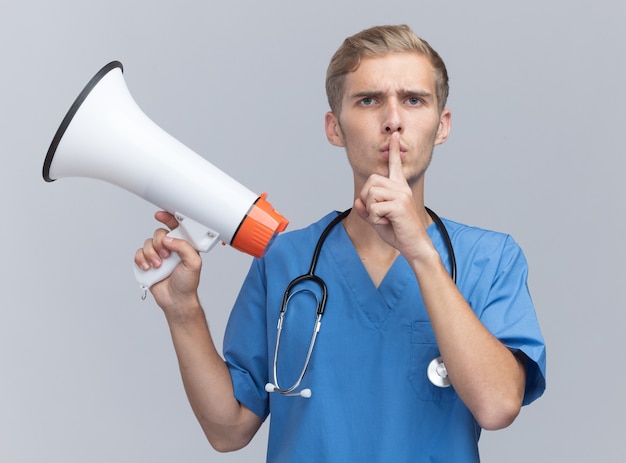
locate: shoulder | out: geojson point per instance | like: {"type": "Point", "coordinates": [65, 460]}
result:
{"type": "Point", "coordinates": [300, 239]}
{"type": "Point", "coordinates": [473, 235]}
{"type": "Point", "coordinates": [290, 253]}
{"type": "Point", "coordinates": [498, 247]}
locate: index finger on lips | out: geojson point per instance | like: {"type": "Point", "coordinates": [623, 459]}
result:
{"type": "Point", "coordinates": [395, 162]}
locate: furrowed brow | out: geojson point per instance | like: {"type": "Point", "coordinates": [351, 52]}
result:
{"type": "Point", "coordinates": [417, 92]}
{"type": "Point", "coordinates": [366, 94]}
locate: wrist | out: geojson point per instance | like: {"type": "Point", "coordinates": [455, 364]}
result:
{"type": "Point", "coordinates": [427, 262]}
{"type": "Point", "coordinates": [183, 312]}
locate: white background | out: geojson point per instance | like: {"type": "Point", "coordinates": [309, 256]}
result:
{"type": "Point", "coordinates": [87, 371]}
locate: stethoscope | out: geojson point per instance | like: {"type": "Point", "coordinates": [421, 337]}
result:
{"type": "Point", "coordinates": [436, 370]}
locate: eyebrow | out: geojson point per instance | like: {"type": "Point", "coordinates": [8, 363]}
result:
{"type": "Point", "coordinates": [404, 92]}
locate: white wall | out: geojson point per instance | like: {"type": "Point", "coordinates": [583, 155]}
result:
{"type": "Point", "coordinates": [87, 369]}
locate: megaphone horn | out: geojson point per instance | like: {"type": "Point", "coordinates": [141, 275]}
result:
{"type": "Point", "coordinates": [106, 136]}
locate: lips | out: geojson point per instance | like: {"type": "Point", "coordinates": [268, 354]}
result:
{"type": "Point", "coordinates": [385, 151]}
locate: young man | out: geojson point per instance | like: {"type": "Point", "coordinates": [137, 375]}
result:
{"type": "Point", "coordinates": [408, 365]}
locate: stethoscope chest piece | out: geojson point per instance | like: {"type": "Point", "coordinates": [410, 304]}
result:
{"type": "Point", "coordinates": [437, 373]}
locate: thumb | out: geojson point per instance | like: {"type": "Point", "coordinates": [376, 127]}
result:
{"type": "Point", "coordinates": [188, 255]}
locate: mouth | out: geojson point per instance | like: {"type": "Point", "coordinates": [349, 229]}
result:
{"type": "Point", "coordinates": [384, 150]}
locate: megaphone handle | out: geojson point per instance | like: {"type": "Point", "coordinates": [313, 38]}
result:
{"type": "Point", "coordinates": [199, 236]}
{"type": "Point", "coordinates": [147, 278]}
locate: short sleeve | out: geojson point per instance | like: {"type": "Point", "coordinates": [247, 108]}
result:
{"type": "Point", "coordinates": [509, 314]}
{"type": "Point", "coordinates": [245, 343]}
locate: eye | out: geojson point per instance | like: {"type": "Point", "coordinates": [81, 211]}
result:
{"type": "Point", "coordinates": [413, 101]}
{"type": "Point", "coordinates": [367, 101]}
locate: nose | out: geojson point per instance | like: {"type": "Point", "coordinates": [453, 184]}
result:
{"type": "Point", "coordinates": [392, 120]}
{"type": "Point", "coordinates": [391, 128]}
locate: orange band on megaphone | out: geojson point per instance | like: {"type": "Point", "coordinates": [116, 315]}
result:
{"type": "Point", "coordinates": [258, 228]}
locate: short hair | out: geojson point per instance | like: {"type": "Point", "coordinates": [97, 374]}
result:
{"type": "Point", "coordinates": [380, 41]}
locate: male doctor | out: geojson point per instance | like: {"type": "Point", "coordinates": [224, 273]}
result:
{"type": "Point", "coordinates": [392, 305]}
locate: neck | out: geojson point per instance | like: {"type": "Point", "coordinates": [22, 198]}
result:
{"type": "Point", "coordinates": [376, 255]}
{"type": "Point", "coordinates": [364, 236]}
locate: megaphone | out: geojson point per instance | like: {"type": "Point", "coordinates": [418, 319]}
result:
{"type": "Point", "coordinates": [106, 136]}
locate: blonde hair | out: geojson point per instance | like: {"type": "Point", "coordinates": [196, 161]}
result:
{"type": "Point", "coordinates": [380, 41]}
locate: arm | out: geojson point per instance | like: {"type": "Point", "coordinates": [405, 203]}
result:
{"type": "Point", "coordinates": [486, 375]}
{"type": "Point", "coordinates": [228, 424]}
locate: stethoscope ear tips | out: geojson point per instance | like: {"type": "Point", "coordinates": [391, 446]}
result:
{"type": "Point", "coordinates": [304, 393]}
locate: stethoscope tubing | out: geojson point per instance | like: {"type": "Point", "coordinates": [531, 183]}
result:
{"type": "Point", "coordinates": [321, 306]}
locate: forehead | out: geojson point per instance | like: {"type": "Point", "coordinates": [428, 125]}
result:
{"type": "Point", "coordinates": [394, 71]}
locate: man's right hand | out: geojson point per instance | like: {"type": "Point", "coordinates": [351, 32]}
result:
{"type": "Point", "coordinates": [179, 290]}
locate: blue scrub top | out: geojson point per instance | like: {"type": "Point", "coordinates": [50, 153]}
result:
{"type": "Point", "coordinates": [371, 397]}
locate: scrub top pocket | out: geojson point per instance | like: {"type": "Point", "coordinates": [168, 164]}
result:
{"type": "Point", "coordinates": [424, 349]}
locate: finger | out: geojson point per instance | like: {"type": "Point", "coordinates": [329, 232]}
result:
{"type": "Point", "coordinates": [148, 256]}
{"type": "Point", "coordinates": [372, 205]}
{"type": "Point", "coordinates": [395, 162]}
{"type": "Point", "coordinates": [141, 260]}
{"type": "Point", "coordinates": [166, 219]}
{"type": "Point", "coordinates": [378, 213]}
{"type": "Point", "coordinates": [188, 254]}
{"type": "Point", "coordinates": [160, 245]}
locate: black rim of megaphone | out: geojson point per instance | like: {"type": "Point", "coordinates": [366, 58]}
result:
{"type": "Point", "coordinates": [70, 115]}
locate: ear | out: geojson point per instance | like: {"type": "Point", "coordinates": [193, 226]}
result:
{"type": "Point", "coordinates": [445, 124]}
{"type": "Point", "coordinates": [333, 130]}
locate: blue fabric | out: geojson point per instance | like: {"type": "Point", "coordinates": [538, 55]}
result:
{"type": "Point", "coordinates": [371, 399]}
